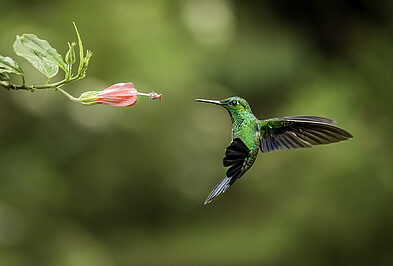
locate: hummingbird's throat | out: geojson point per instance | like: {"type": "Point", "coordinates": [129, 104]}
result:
{"type": "Point", "coordinates": [237, 119]}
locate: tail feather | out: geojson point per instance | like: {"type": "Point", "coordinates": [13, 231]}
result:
{"type": "Point", "coordinates": [220, 188]}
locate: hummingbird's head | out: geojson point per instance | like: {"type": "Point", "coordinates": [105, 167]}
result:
{"type": "Point", "coordinates": [237, 107]}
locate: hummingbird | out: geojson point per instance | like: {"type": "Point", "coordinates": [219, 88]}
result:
{"type": "Point", "coordinates": [249, 135]}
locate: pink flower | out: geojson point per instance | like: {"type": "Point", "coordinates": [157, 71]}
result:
{"type": "Point", "coordinates": [120, 94]}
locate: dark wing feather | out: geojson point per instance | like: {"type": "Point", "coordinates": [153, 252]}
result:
{"type": "Point", "coordinates": [235, 156]}
{"type": "Point", "coordinates": [310, 118]}
{"type": "Point", "coordinates": [295, 132]}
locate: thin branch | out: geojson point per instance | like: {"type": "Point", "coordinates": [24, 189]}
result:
{"type": "Point", "coordinates": [10, 86]}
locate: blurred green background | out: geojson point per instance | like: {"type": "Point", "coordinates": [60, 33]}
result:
{"type": "Point", "coordinates": [125, 186]}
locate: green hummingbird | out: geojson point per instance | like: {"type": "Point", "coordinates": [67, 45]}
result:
{"type": "Point", "coordinates": [249, 135]}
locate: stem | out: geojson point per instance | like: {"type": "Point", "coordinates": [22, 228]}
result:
{"type": "Point", "coordinates": [69, 74]}
{"type": "Point", "coordinates": [55, 85]}
{"type": "Point", "coordinates": [69, 96]}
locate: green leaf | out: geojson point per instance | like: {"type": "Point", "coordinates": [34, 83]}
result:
{"type": "Point", "coordinates": [8, 65]}
{"type": "Point", "coordinates": [4, 76]}
{"type": "Point", "coordinates": [40, 54]}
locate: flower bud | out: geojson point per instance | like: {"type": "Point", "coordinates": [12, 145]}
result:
{"type": "Point", "coordinates": [84, 63]}
{"type": "Point", "coordinates": [70, 57]}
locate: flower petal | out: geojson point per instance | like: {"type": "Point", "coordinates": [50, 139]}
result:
{"type": "Point", "coordinates": [121, 94]}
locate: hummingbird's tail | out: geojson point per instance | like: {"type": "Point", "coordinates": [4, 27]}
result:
{"type": "Point", "coordinates": [237, 156]}
{"type": "Point", "coordinates": [220, 188]}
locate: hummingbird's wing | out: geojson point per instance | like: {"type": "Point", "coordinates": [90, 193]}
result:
{"type": "Point", "coordinates": [310, 118]}
{"type": "Point", "coordinates": [236, 156]}
{"type": "Point", "coordinates": [295, 132]}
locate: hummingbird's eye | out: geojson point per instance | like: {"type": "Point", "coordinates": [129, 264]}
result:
{"type": "Point", "coordinates": [234, 103]}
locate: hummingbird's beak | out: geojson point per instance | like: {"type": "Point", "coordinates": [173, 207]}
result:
{"type": "Point", "coordinates": [208, 101]}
